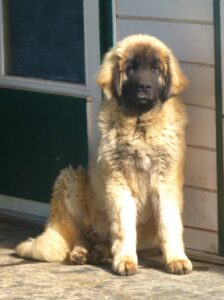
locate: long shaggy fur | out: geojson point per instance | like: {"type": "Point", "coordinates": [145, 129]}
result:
{"type": "Point", "coordinates": [131, 196]}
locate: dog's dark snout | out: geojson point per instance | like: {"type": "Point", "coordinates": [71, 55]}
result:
{"type": "Point", "coordinates": [144, 86]}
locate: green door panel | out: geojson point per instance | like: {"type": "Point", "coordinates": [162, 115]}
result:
{"type": "Point", "coordinates": [39, 135]}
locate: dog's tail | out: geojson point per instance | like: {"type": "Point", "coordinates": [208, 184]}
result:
{"type": "Point", "coordinates": [60, 235]}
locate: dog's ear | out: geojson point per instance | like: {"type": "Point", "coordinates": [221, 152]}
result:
{"type": "Point", "coordinates": [174, 79]}
{"type": "Point", "coordinates": [109, 75]}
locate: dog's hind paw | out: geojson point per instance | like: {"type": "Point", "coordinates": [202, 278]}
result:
{"type": "Point", "coordinates": [79, 256]}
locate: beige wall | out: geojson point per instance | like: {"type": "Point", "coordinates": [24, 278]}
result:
{"type": "Point", "coordinates": [187, 28]}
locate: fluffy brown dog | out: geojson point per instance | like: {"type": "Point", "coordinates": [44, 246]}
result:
{"type": "Point", "coordinates": [131, 197]}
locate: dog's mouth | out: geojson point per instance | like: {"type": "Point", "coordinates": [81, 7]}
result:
{"type": "Point", "coordinates": [144, 99]}
{"type": "Point", "coordinates": [139, 104]}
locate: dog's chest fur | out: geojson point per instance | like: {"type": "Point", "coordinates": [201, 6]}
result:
{"type": "Point", "coordinates": [140, 150]}
{"type": "Point", "coordinates": [135, 146]}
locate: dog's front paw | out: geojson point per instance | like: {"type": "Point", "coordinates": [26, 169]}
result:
{"type": "Point", "coordinates": [179, 267]}
{"type": "Point", "coordinates": [125, 265]}
{"type": "Point", "coordinates": [79, 256]}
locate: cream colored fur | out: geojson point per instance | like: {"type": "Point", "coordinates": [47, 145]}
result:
{"type": "Point", "coordinates": [131, 196]}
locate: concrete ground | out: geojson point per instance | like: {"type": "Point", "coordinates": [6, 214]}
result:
{"type": "Point", "coordinates": [23, 279]}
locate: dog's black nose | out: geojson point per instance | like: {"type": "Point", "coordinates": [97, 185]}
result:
{"type": "Point", "coordinates": [144, 87]}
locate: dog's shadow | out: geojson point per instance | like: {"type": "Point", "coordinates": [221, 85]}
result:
{"type": "Point", "coordinates": [155, 261]}
{"type": "Point", "coordinates": [148, 259]}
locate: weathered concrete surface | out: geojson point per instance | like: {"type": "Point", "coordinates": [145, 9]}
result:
{"type": "Point", "coordinates": [23, 279]}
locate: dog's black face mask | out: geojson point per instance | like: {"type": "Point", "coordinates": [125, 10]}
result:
{"type": "Point", "coordinates": [144, 85]}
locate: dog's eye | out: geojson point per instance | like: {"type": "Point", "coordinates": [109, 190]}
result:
{"type": "Point", "coordinates": [155, 67]}
{"type": "Point", "coordinates": [132, 66]}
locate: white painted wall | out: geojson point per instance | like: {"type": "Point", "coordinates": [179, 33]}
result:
{"type": "Point", "coordinates": [187, 28]}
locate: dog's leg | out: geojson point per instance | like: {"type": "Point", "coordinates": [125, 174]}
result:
{"type": "Point", "coordinates": [171, 229]}
{"type": "Point", "coordinates": [122, 215]}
